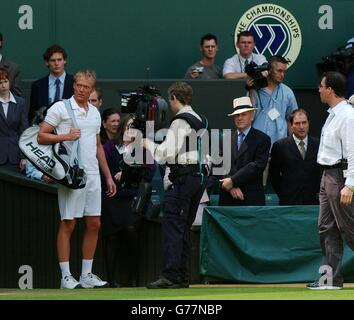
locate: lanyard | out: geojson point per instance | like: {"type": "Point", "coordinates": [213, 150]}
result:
{"type": "Point", "coordinates": [239, 61]}
{"type": "Point", "coordinates": [270, 100]}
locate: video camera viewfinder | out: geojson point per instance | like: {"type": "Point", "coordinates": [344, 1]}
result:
{"type": "Point", "coordinates": [146, 104]}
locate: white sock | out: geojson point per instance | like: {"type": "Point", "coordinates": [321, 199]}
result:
{"type": "Point", "coordinates": [86, 267]}
{"type": "Point", "coordinates": [65, 269]}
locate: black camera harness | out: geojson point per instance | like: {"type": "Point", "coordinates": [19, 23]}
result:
{"type": "Point", "coordinates": [178, 170]}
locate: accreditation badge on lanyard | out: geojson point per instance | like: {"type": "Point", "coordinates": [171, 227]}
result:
{"type": "Point", "coordinates": [273, 113]}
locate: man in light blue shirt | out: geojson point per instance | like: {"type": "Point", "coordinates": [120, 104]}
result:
{"type": "Point", "coordinates": [274, 103]}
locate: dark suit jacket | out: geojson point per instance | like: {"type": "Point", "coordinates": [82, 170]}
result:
{"type": "Point", "coordinates": [247, 166]}
{"type": "Point", "coordinates": [295, 180]}
{"type": "Point", "coordinates": [39, 93]}
{"type": "Point", "coordinates": [11, 128]}
{"type": "Point", "coordinates": [14, 75]}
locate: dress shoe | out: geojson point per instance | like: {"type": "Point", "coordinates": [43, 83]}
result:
{"type": "Point", "coordinates": [164, 283]}
{"type": "Point", "coordinates": [317, 286]}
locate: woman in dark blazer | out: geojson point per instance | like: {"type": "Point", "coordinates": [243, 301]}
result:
{"type": "Point", "coordinates": [13, 121]}
{"type": "Point", "coordinates": [120, 225]}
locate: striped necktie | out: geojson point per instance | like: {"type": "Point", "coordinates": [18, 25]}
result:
{"type": "Point", "coordinates": [240, 138]}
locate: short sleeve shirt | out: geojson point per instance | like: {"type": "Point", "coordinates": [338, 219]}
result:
{"type": "Point", "coordinates": [89, 123]}
{"type": "Point", "coordinates": [283, 100]}
{"type": "Point", "coordinates": [237, 63]}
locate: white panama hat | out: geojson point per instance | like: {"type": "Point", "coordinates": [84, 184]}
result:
{"type": "Point", "coordinates": [241, 105]}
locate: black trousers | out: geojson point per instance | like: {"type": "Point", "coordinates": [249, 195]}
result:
{"type": "Point", "coordinates": [121, 254]}
{"type": "Point", "coordinates": [180, 208]}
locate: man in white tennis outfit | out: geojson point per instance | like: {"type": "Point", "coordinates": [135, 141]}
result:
{"type": "Point", "coordinates": [84, 202]}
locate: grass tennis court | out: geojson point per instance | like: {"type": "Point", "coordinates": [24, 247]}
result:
{"type": "Point", "coordinates": [196, 292]}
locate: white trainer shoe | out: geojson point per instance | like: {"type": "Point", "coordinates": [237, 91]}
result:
{"type": "Point", "coordinates": [92, 281]}
{"type": "Point", "coordinates": [69, 282]}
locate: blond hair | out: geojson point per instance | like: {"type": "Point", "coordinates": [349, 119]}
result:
{"type": "Point", "coordinates": [88, 74]}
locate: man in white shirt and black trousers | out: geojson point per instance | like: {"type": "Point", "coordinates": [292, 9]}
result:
{"type": "Point", "coordinates": [336, 155]}
{"type": "Point", "coordinates": [186, 187]}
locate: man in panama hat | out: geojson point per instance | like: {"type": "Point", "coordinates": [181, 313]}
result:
{"type": "Point", "coordinates": [243, 185]}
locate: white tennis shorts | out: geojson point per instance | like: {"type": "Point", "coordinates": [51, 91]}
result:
{"type": "Point", "coordinates": [80, 202]}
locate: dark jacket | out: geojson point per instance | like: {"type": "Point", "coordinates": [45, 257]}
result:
{"type": "Point", "coordinates": [39, 93]}
{"type": "Point", "coordinates": [295, 180]}
{"type": "Point", "coordinates": [117, 211]}
{"type": "Point", "coordinates": [11, 127]}
{"type": "Point", "coordinates": [247, 166]}
{"type": "Point", "coordinates": [14, 75]}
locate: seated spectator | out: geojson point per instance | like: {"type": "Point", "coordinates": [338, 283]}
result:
{"type": "Point", "coordinates": [13, 121]}
{"type": "Point", "coordinates": [293, 171]}
{"type": "Point", "coordinates": [96, 98]}
{"type": "Point", "coordinates": [234, 67]}
{"type": "Point", "coordinates": [13, 69]}
{"type": "Point", "coordinates": [110, 123]}
{"type": "Point", "coordinates": [33, 173]}
{"type": "Point", "coordinates": [206, 67]}
{"type": "Point", "coordinates": [120, 225]}
{"type": "Point", "coordinates": [243, 185]}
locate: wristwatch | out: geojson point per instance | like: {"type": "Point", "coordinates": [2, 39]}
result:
{"type": "Point", "coordinates": [350, 187]}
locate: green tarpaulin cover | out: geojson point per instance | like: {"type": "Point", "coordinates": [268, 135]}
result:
{"type": "Point", "coordinates": [269, 244]}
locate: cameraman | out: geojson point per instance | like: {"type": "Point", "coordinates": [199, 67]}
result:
{"type": "Point", "coordinates": [234, 67]}
{"type": "Point", "coordinates": [275, 102]}
{"type": "Point", "coordinates": [183, 195]}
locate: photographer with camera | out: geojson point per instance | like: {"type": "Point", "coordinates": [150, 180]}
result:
{"type": "Point", "coordinates": [206, 67]}
{"type": "Point", "coordinates": [120, 225]}
{"type": "Point", "coordinates": [188, 176]}
{"type": "Point", "coordinates": [274, 102]}
{"type": "Point", "coordinates": [234, 67]}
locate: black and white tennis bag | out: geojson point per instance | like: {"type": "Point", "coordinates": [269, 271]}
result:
{"type": "Point", "coordinates": [55, 160]}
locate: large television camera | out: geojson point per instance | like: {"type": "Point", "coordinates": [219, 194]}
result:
{"type": "Point", "coordinates": [146, 104]}
{"type": "Point", "coordinates": [255, 72]}
{"type": "Point", "coordinates": [341, 60]}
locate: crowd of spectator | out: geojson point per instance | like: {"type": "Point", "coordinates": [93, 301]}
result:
{"type": "Point", "coordinates": [270, 133]}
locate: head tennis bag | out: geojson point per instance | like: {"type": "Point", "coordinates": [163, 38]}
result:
{"type": "Point", "coordinates": [55, 160]}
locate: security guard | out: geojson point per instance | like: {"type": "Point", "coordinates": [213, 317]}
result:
{"type": "Point", "coordinates": [186, 178]}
